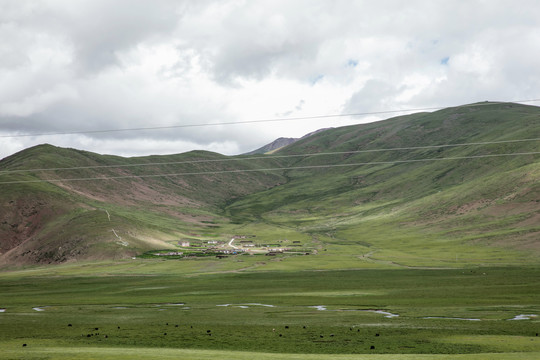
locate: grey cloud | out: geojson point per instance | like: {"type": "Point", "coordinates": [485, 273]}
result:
{"type": "Point", "coordinates": [103, 29]}
{"type": "Point", "coordinates": [373, 96]}
{"type": "Point", "coordinates": [256, 39]}
{"type": "Point", "coordinates": [93, 30]}
{"type": "Point", "coordinates": [80, 65]}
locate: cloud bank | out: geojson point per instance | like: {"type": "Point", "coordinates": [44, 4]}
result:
{"type": "Point", "coordinates": [75, 66]}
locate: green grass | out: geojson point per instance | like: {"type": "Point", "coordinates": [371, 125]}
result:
{"type": "Point", "coordinates": [11, 351]}
{"type": "Point", "coordinates": [143, 298]}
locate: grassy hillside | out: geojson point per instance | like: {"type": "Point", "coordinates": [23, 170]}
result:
{"type": "Point", "coordinates": [416, 206]}
{"type": "Point", "coordinates": [447, 188]}
{"type": "Point", "coordinates": [79, 205]}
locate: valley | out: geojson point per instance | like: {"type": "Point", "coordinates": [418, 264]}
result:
{"type": "Point", "coordinates": [409, 238]}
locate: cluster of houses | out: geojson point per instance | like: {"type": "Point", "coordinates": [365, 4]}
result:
{"type": "Point", "coordinates": [187, 243]}
{"type": "Point", "coordinates": [244, 245]}
{"type": "Point", "coordinates": [200, 248]}
{"type": "Point", "coordinates": [226, 251]}
{"type": "Point", "coordinates": [170, 253]}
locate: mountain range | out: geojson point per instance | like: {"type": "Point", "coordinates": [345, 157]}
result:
{"type": "Point", "coordinates": [458, 184]}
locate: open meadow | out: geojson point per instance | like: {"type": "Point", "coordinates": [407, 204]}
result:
{"type": "Point", "coordinates": [415, 237]}
{"type": "Point", "coordinates": [157, 309]}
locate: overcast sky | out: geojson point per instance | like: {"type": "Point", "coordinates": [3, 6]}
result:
{"type": "Point", "coordinates": [75, 66]}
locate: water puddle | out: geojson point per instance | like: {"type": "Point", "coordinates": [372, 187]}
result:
{"type": "Point", "coordinates": [170, 304]}
{"type": "Point", "coordinates": [2, 310]}
{"type": "Point", "coordinates": [257, 304]}
{"type": "Point", "coordinates": [524, 317]}
{"type": "Point", "coordinates": [160, 306]}
{"type": "Point", "coordinates": [385, 313]}
{"type": "Point", "coordinates": [245, 306]}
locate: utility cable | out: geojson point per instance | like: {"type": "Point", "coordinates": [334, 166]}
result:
{"type": "Point", "coordinates": [267, 157]}
{"type": "Point", "coordinates": [256, 121]}
{"type": "Point", "coordinates": [269, 169]}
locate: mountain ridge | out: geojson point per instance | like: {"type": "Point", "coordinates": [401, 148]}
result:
{"type": "Point", "coordinates": [334, 185]}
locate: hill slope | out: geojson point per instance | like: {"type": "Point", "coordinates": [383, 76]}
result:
{"type": "Point", "coordinates": [424, 189]}
{"type": "Point", "coordinates": [93, 206]}
{"type": "Point", "coordinates": [412, 203]}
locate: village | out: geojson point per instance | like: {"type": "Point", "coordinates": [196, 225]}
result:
{"type": "Point", "coordinates": [238, 245]}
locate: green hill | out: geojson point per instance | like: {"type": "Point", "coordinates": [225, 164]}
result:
{"type": "Point", "coordinates": [458, 185]}
{"type": "Point", "coordinates": [416, 205]}
{"type": "Point", "coordinates": [91, 206]}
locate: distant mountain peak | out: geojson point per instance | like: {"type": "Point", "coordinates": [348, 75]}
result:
{"type": "Point", "coordinates": [280, 143]}
{"type": "Point", "coordinates": [273, 146]}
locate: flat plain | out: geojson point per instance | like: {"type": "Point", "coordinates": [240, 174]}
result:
{"type": "Point", "coordinates": [152, 309]}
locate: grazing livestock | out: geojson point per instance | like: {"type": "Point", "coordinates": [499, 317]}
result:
{"type": "Point", "coordinates": [69, 325]}
{"type": "Point", "coordinates": [372, 347]}
{"type": "Point", "coordinates": [24, 345]}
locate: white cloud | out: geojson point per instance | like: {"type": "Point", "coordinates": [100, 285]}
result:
{"type": "Point", "coordinates": [93, 64]}
{"type": "Point", "coordinates": [37, 102]}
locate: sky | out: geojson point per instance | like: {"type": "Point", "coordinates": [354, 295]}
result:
{"type": "Point", "coordinates": [78, 73]}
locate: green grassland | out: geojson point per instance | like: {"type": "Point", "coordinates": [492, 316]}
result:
{"type": "Point", "coordinates": [444, 312]}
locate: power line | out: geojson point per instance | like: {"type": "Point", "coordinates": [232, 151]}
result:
{"type": "Point", "coordinates": [5, 172]}
{"type": "Point", "coordinates": [270, 169]}
{"type": "Point", "coordinates": [251, 121]}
